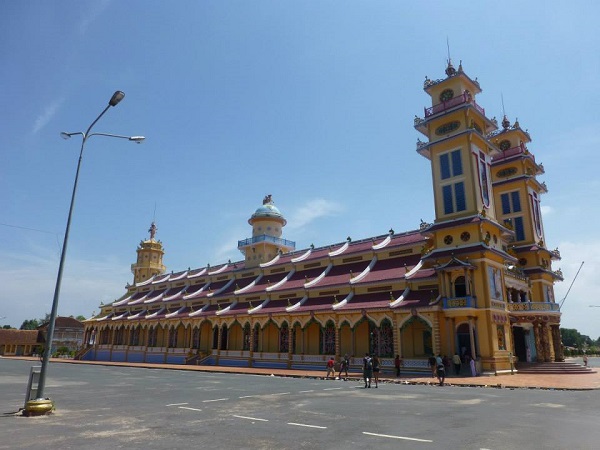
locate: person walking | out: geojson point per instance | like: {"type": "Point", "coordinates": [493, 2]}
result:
{"type": "Point", "coordinates": [344, 364]}
{"type": "Point", "coordinates": [367, 370]}
{"type": "Point", "coordinates": [473, 367]}
{"type": "Point", "coordinates": [376, 368]}
{"type": "Point", "coordinates": [457, 363]}
{"type": "Point", "coordinates": [397, 365]}
{"type": "Point", "coordinates": [440, 369]}
{"type": "Point", "coordinates": [330, 368]}
{"type": "Point", "coordinates": [432, 365]}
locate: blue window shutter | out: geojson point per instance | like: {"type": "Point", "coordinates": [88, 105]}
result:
{"type": "Point", "coordinates": [519, 229]}
{"type": "Point", "coordinates": [516, 201]}
{"type": "Point", "coordinates": [445, 166]}
{"type": "Point", "coordinates": [461, 201]}
{"type": "Point", "coordinates": [505, 204]}
{"type": "Point", "coordinates": [456, 163]}
{"type": "Point", "coordinates": [447, 194]}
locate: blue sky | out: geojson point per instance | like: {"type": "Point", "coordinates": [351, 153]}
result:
{"type": "Point", "coordinates": [312, 102]}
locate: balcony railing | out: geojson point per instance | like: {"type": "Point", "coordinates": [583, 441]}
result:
{"type": "Point", "coordinates": [460, 302]}
{"type": "Point", "coordinates": [533, 306]}
{"type": "Point", "coordinates": [454, 101]}
{"type": "Point", "coordinates": [513, 151]}
{"type": "Point", "coordinates": [265, 238]}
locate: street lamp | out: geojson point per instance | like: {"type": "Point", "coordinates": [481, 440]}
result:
{"type": "Point", "coordinates": [43, 405]}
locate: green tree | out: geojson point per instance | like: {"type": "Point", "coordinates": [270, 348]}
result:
{"type": "Point", "coordinates": [7, 327]}
{"type": "Point", "coordinates": [30, 324]}
{"type": "Point", "coordinates": [81, 318]}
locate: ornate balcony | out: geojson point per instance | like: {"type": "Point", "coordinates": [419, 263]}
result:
{"type": "Point", "coordinates": [533, 307]}
{"type": "Point", "coordinates": [460, 302]}
{"type": "Point", "coordinates": [265, 238]}
{"type": "Point", "coordinates": [454, 101]}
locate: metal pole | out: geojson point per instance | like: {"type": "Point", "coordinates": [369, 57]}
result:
{"type": "Point", "coordinates": [116, 98]}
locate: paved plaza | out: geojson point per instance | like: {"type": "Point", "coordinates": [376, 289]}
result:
{"type": "Point", "coordinates": [112, 406]}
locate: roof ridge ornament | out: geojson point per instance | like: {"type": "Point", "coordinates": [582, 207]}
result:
{"type": "Point", "coordinates": [450, 70]}
{"type": "Point", "coordinates": [152, 230]}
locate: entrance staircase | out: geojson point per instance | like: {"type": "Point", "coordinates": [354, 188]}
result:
{"type": "Point", "coordinates": [545, 368]}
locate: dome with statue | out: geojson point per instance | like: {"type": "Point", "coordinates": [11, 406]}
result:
{"type": "Point", "coordinates": [267, 210]}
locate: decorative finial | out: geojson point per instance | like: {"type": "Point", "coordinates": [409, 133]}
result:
{"type": "Point", "coordinates": [505, 122]}
{"type": "Point", "coordinates": [349, 239]}
{"type": "Point", "coordinates": [268, 200]}
{"type": "Point", "coordinates": [450, 70]}
{"type": "Point", "coordinates": [312, 246]}
{"type": "Point", "coordinates": [391, 231]}
{"type": "Point", "coordinates": [516, 125]}
{"type": "Point", "coordinates": [460, 69]}
{"type": "Point", "coordinates": [152, 230]}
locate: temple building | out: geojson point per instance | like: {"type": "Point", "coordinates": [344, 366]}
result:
{"type": "Point", "coordinates": [478, 281]}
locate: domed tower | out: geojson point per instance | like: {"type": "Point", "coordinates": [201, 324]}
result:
{"type": "Point", "coordinates": [149, 260]}
{"type": "Point", "coordinates": [266, 242]}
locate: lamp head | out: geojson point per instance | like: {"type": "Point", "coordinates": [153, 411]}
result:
{"type": "Point", "coordinates": [65, 135]}
{"type": "Point", "coordinates": [116, 98]}
{"type": "Point", "coordinates": [137, 139]}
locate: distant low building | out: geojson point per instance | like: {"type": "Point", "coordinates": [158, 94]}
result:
{"type": "Point", "coordinates": [68, 332]}
{"type": "Point", "coordinates": [19, 342]}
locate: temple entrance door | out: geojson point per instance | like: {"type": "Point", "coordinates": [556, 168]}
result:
{"type": "Point", "coordinates": [520, 345]}
{"type": "Point", "coordinates": [224, 336]}
{"type": "Point", "coordinates": [463, 340]}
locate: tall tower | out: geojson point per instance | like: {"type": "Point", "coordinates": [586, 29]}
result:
{"type": "Point", "coordinates": [149, 258]}
{"type": "Point", "coordinates": [468, 245]}
{"type": "Point", "coordinates": [266, 242]}
{"type": "Point", "coordinates": [517, 194]}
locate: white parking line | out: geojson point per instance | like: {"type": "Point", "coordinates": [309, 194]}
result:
{"type": "Point", "coordinates": [215, 400]}
{"type": "Point", "coordinates": [331, 389]}
{"type": "Point", "coordinates": [281, 393]}
{"type": "Point", "coordinates": [177, 404]}
{"type": "Point", "coordinates": [302, 392]}
{"type": "Point", "coordinates": [305, 425]}
{"type": "Point", "coordinates": [249, 396]}
{"type": "Point", "coordinates": [251, 418]}
{"type": "Point", "coordinates": [397, 437]}
{"type": "Point", "coordinates": [191, 409]}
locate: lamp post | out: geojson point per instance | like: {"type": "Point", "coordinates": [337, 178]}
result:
{"type": "Point", "coordinates": [43, 405]}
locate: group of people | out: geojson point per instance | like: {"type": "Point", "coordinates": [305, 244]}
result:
{"type": "Point", "coordinates": [440, 365]}
{"type": "Point", "coordinates": [371, 368]}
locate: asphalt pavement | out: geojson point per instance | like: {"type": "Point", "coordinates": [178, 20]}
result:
{"type": "Point", "coordinates": [100, 406]}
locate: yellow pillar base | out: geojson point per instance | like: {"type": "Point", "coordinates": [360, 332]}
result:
{"type": "Point", "coordinates": [38, 407]}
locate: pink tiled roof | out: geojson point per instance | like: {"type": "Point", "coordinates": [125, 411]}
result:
{"type": "Point", "coordinates": [299, 278]}
{"type": "Point", "coordinates": [315, 304]}
{"type": "Point", "coordinates": [340, 274]}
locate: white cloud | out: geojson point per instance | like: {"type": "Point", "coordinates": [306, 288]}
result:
{"type": "Point", "coordinates": [547, 210]}
{"type": "Point", "coordinates": [311, 211]}
{"type": "Point", "coordinates": [46, 116]}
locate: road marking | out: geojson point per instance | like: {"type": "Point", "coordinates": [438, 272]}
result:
{"type": "Point", "coordinates": [397, 437]}
{"type": "Point", "coordinates": [215, 400]}
{"type": "Point", "coordinates": [305, 425]}
{"type": "Point", "coordinates": [281, 393]}
{"type": "Point", "coordinates": [191, 409]}
{"type": "Point", "coordinates": [251, 418]}
{"type": "Point", "coordinates": [249, 396]}
{"type": "Point", "coordinates": [331, 389]}
{"type": "Point", "coordinates": [177, 404]}
{"type": "Point", "coordinates": [302, 392]}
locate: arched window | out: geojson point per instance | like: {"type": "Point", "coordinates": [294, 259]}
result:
{"type": "Point", "coordinates": [329, 338]}
{"type": "Point", "coordinates": [284, 338]}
